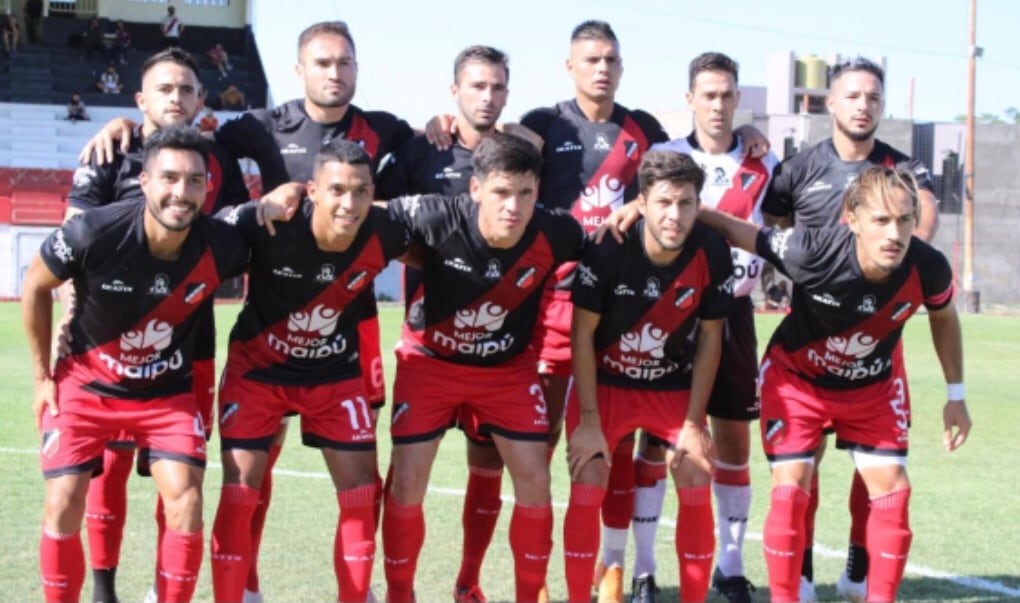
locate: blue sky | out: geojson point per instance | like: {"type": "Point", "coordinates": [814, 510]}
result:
{"type": "Point", "coordinates": [406, 48]}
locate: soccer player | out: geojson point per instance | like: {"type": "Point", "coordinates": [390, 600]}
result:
{"type": "Point", "coordinates": [807, 189]}
{"type": "Point", "coordinates": [169, 95]}
{"type": "Point", "coordinates": [835, 358]}
{"type": "Point", "coordinates": [141, 271]}
{"type": "Point", "coordinates": [294, 350]}
{"type": "Point", "coordinates": [735, 183]}
{"type": "Point", "coordinates": [466, 346]}
{"type": "Point", "coordinates": [646, 341]}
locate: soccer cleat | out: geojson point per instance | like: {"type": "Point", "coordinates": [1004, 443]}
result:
{"type": "Point", "coordinates": [855, 592]}
{"type": "Point", "coordinates": [611, 585]}
{"type": "Point", "coordinates": [807, 591]}
{"type": "Point", "coordinates": [643, 589]}
{"type": "Point", "coordinates": [468, 594]}
{"type": "Point", "coordinates": [736, 589]}
{"type": "Point", "coordinates": [252, 597]}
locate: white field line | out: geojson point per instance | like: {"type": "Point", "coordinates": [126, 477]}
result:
{"type": "Point", "coordinates": [819, 549]}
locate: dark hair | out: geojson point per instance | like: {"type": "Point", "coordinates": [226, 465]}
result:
{"type": "Point", "coordinates": [675, 168]}
{"type": "Point", "coordinates": [481, 54]}
{"type": "Point", "coordinates": [857, 64]}
{"type": "Point", "coordinates": [500, 152]}
{"type": "Point", "coordinates": [712, 61]}
{"type": "Point", "coordinates": [323, 28]}
{"type": "Point", "coordinates": [879, 181]}
{"type": "Point", "coordinates": [178, 137]}
{"type": "Point", "coordinates": [342, 151]}
{"type": "Point", "coordinates": [594, 30]}
{"type": "Point", "coordinates": [172, 55]}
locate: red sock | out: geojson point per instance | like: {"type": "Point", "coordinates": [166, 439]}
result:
{"type": "Point", "coordinates": [478, 520]}
{"type": "Point", "coordinates": [230, 548]}
{"type": "Point", "coordinates": [62, 566]}
{"type": "Point", "coordinates": [531, 543]}
{"type": "Point", "coordinates": [106, 508]}
{"type": "Point", "coordinates": [695, 541]}
{"type": "Point", "coordinates": [618, 504]}
{"type": "Point", "coordinates": [258, 518]}
{"type": "Point", "coordinates": [403, 534]}
{"type": "Point", "coordinates": [581, 539]}
{"type": "Point", "coordinates": [860, 506]}
{"type": "Point", "coordinates": [354, 546]}
{"type": "Point", "coordinates": [784, 542]}
{"type": "Point", "coordinates": [888, 543]}
{"type": "Point", "coordinates": [646, 473]}
{"type": "Point", "coordinates": [181, 561]}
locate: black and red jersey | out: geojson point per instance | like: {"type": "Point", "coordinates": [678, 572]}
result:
{"type": "Point", "coordinates": [478, 304]}
{"type": "Point", "coordinates": [590, 168]}
{"type": "Point", "coordinates": [422, 169]}
{"type": "Point", "coordinates": [299, 324]}
{"type": "Point", "coordinates": [135, 317]}
{"type": "Point", "coordinates": [95, 185]}
{"type": "Point", "coordinates": [809, 186]}
{"type": "Point", "coordinates": [296, 138]}
{"type": "Point", "coordinates": [842, 329]}
{"type": "Point", "coordinates": [649, 313]}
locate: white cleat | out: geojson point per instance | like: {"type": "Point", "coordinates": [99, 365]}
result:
{"type": "Point", "coordinates": [807, 591]}
{"type": "Point", "coordinates": [855, 592]}
{"type": "Point", "coordinates": [252, 597]}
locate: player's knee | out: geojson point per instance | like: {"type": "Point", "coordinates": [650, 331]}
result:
{"type": "Point", "coordinates": [183, 509]}
{"type": "Point", "coordinates": [64, 507]}
{"type": "Point", "coordinates": [485, 457]}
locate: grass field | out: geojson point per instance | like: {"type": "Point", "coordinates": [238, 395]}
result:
{"type": "Point", "coordinates": [965, 507]}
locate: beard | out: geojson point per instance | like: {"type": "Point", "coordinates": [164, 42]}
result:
{"type": "Point", "coordinates": [856, 135]}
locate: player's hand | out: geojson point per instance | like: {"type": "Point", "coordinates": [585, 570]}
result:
{"type": "Point", "coordinates": [585, 444]}
{"type": "Point", "coordinates": [279, 205]}
{"type": "Point", "coordinates": [618, 222]}
{"type": "Point", "coordinates": [956, 424]}
{"type": "Point", "coordinates": [755, 143]}
{"type": "Point", "coordinates": [45, 400]}
{"type": "Point", "coordinates": [440, 131]}
{"type": "Point", "coordinates": [118, 130]}
{"type": "Point", "coordinates": [695, 445]}
{"type": "Point", "coordinates": [516, 129]}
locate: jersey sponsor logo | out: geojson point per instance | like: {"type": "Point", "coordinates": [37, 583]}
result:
{"type": "Point", "coordinates": [457, 264]}
{"type": "Point", "coordinates": [286, 272]}
{"type": "Point", "coordinates": [650, 340]}
{"type": "Point", "coordinates": [117, 286]}
{"type": "Point", "coordinates": [779, 242]}
{"type": "Point", "coordinates": [321, 319]}
{"type": "Point", "coordinates": [156, 335]}
{"type": "Point", "coordinates": [858, 345]}
{"type": "Point", "coordinates": [357, 281]}
{"type": "Point", "coordinates": [902, 311]}
{"type": "Point", "coordinates": [867, 305]}
{"type": "Point", "coordinates": [818, 186]}
{"type": "Point", "coordinates": [623, 290]}
{"type": "Point", "coordinates": [608, 193]}
{"type": "Point", "coordinates": [526, 277]}
{"type": "Point", "coordinates": [160, 286]}
{"type": "Point", "coordinates": [584, 273]}
{"type": "Point", "coordinates": [569, 147]}
{"type": "Point", "coordinates": [327, 273]}
{"type": "Point", "coordinates": [492, 271]}
{"type": "Point", "coordinates": [309, 333]}
{"type": "Point", "coordinates": [601, 142]}
{"type": "Point", "coordinates": [61, 249]}
{"type": "Point", "coordinates": [652, 289]}
{"type": "Point", "coordinates": [474, 332]}
{"type": "Point", "coordinates": [826, 299]}
{"type": "Point", "coordinates": [195, 293]}
{"type": "Point", "coordinates": [141, 352]}
{"type": "Point", "coordinates": [293, 149]}
{"type": "Point", "coordinates": [489, 316]}
{"type": "Point", "coordinates": [83, 175]}
{"type": "Point", "coordinates": [684, 298]}
{"type": "Point", "coordinates": [448, 173]}
{"type": "Point", "coordinates": [642, 355]}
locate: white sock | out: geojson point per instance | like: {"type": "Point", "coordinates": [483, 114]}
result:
{"type": "Point", "coordinates": [732, 505]}
{"type": "Point", "coordinates": [645, 524]}
{"type": "Point", "coordinates": [614, 546]}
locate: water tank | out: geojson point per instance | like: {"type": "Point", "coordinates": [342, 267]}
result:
{"type": "Point", "coordinates": [812, 73]}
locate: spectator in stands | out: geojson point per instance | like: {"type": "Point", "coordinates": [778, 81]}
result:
{"type": "Point", "coordinates": [122, 42]}
{"type": "Point", "coordinates": [10, 32]}
{"type": "Point", "coordinates": [92, 39]}
{"type": "Point", "coordinates": [220, 59]}
{"type": "Point", "coordinates": [232, 99]}
{"type": "Point", "coordinates": [778, 296]}
{"type": "Point", "coordinates": [208, 123]}
{"type": "Point", "coordinates": [172, 28]}
{"type": "Point", "coordinates": [76, 110]}
{"type": "Point", "coordinates": [109, 81]}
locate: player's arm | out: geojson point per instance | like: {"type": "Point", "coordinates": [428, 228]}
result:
{"type": "Point", "coordinates": [928, 215]}
{"type": "Point", "coordinates": [117, 130]}
{"type": "Point", "coordinates": [948, 339]}
{"type": "Point", "coordinates": [587, 440]}
{"type": "Point", "coordinates": [37, 318]}
{"type": "Point", "coordinates": [740, 233]}
{"type": "Point", "coordinates": [756, 144]}
{"type": "Point", "coordinates": [694, 442]}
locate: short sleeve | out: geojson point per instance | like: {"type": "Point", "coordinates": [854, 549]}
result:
{"type": "Point", "coordinates": [591, 286]}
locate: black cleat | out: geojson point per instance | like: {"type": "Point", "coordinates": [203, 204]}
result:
{"type": "Point", "coordinates": [736, 589]}
{"type": "Point", "coordinates": [643, 589]}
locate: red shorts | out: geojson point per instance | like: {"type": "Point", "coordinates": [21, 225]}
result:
{"type": "Point", "coordinates": [899, 370]}
{"type": "Point", "coordinates": [874, 418]}
{"type": "Point", "coordinates": [73, 441]}
{"type": "Point", "coordinates": [622, 411]}
{"type": "Point", "coordinates": [370, 355]}
{"type": "Point", "coordinates": [431, 394]}
{"type": "Point", "coordinates": [551, 336]}
{"type": "Point", "coordinates": [333, 415]}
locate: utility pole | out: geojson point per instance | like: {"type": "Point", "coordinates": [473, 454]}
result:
{"type": "Point", "coordinates": [972, 297]}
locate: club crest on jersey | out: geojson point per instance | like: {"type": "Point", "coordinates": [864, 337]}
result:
{"type": "Point", "coordinates": [525, 277]}
{"type": "Point", "coordinates": [630, 148]}
{"type": "Point", "coordinates": [327, 274]}
{"type": "Point", "coordinates": [195, 292]}
{"type": "Point", "coordinates": [746, 180]}
{"type": "Point", "coordinates": [867, 305]}
{"type": "Point", "coordinates": [902, 311]}
{"type": "Point", "coordinates": [601, 142]}
{"type": "Point", "coordinates": [357, 280]}
{"type": "Point", "coordinates": [652, 290]}
{"type": "Point", "coordinates": [160, 286]}
{"type": "Point", "coordinates": [229, 413]}
{"type": "Point", "coordinates": [775, 431]}
{"type": "Point", "coordinates": [684, 298]}
{"type": "Point", "coordinates": [492, 271]}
